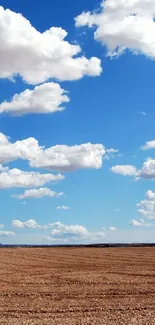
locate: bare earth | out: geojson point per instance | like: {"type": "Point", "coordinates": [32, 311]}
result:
{"type": "Point", "coordinates": [78, 286]}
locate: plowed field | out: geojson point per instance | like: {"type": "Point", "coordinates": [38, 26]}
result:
{"type": "Point", "coordinates": [78, 286]}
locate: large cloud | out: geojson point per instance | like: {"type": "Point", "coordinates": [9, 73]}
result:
{"type": "Point", "coordinates": [61, 233]}
{"type": "Point", "coordinates": [65, 158]}
{"type": "Point", "coordinates": [146, 207]}
{"type": "Point", "coordinates": [147, 171]}
{"type": "Point", "coordinates": [37, 193]}
{"type": "Point", "coordinates": [7, 233]}
{"type": "Point", "coordinates": [36, 56]}
{"type": "Point", "coordinates": [73, 234]}
{"type": "Point", "coordinates": [59, 158]}
{"type": "Point", "coordinates": [46, 98]}
{"type": "Point", "coordinates": [18, 178]}
{"type": "Point", "coordinates": [123, 24]}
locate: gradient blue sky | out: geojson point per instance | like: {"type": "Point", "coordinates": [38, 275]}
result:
{"type": "Point", "coordinates": [105, 109]}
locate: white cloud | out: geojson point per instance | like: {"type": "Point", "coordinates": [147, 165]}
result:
{"type": "Point", "coordinates": [112, 150]}
{"type": "Point", "coordinates": [73, 234]}
{"type": "Point", "coordinates": [63, 207]}
{"type": "Point", "coordinates": [36, 56]}
{"type": "Point", "coordinates": [139, 223]}
{"type": "Point", "coordinates": [61, 233]}
{"type": "Point", "coordinates": [146, 207]}
{"type": "Point", "coordinates": [111, 153]}
{"type": "Point", "coordinates": [32, 224]}
{"type": "Point", "coordinates": [147, 171]}
{"type": "Point", "coordinates": [125, 170]}
{"type": "Point", "coordinates": [7, 233]}
{"type": "Point", "coordinates": [122, 25]}
{"type": "Point", "coordinates": [1, 226]}
{"type": "Point", "coordinates": [17, 178]}
{"type": "Point", "coordinates": [112, 228]}
{"type": "Point", "coordinates": [37, 193]}
{"type": "Point", "coordinates": [149, 145]}
{"type": "Point", "coordinates": [65, 158]}
{"type": "Point", "coordinates": [46, 98]}
{"type": "Point", "coordinates": [59, 157]}
{"type": "Point", "coordinates": [25, 149]}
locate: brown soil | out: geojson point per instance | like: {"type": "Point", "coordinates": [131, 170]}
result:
{"type": "Point", "coordinates": [77, 286]}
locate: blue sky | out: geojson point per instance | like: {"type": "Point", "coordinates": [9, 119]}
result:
{"type": "Point", "coordinates": [109, 104]}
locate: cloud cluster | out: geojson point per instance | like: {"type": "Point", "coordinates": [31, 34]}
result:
{"type": "Point", "coordinates": [146, 207]}
{"type": "Point", "coordinates": [59, 158]}
{"type": "Point", "coordinates": [18, 178]}
{"type": "Point", "coordinates": [139, 223]}
{"type": "Point", "coordinates": [73, 234]}
{"type": "Point", "coordinates": [61, 233]}
{"type": "Point", "coordinates": [46, 98]}
{"type": "Point", "coordinates": [7, 233]}
{"type": "Point", "coordinates": [31, 224]}
{"type": "Point", "coordinates": [36, 56]}
{"type": "Point", "coordinates": [146, 172]}
{"type": "Point", "coordinates": [37, 193]}
{"type": "Point", "coordinates": [122, 25]}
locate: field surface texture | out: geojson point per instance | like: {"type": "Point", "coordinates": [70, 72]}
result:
{"type": "Point", "coordinates": [78, 286]}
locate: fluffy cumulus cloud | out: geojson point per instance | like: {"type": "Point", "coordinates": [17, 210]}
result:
{"type": "Point", "coordinates": [146, 207]}
{"type": "Point", "coordinates": [139, 223]}
{"type": "Point", "coordinates": [149, 145]}
{"type": "Point", "coordinates": [25, 149]}
{"type": "Point", "coordinates": [59, 158]}
{"type": "Point", "coordinates": [46, 98]}
{"type": "Point", "coordinates": [18, 178]}
{"type": "Point", "coordinates": [31, 224]}
{"type": "Point", "coordinates": [6, 233]}
{"type": "Point", "coordinates": [36, 56]}
{"type": "Point", "coordinates": [63, 207]}
{"type": "Point", "coordinates": [37, 193]}
{"type": "Point", "coordinates": [148, 169]}
{"type": "Point", "coordinates": [146, 210]}
{"type": "Point", "coordinates": [65, 158]}
{"type": "Point", "coordinates": [146, 172]}
{"type": "Point", "coordinates": [125, 170]}
{"type": "Point", "coordinates": [122, 25]}
{"type": "Point", "coordinates": [61, 233]}
{"type": "Point", "coordinates": [73, 234]}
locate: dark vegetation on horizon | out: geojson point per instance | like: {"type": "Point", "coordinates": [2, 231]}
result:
{"type": "Point", "coordinates": [82, 246]}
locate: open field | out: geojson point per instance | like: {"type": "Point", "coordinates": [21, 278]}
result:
{"type": "Point", "coordinates": [78, 286]}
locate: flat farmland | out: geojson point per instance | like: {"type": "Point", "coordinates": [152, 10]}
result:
{"type": "Point", "coordinates": [78, 286]}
